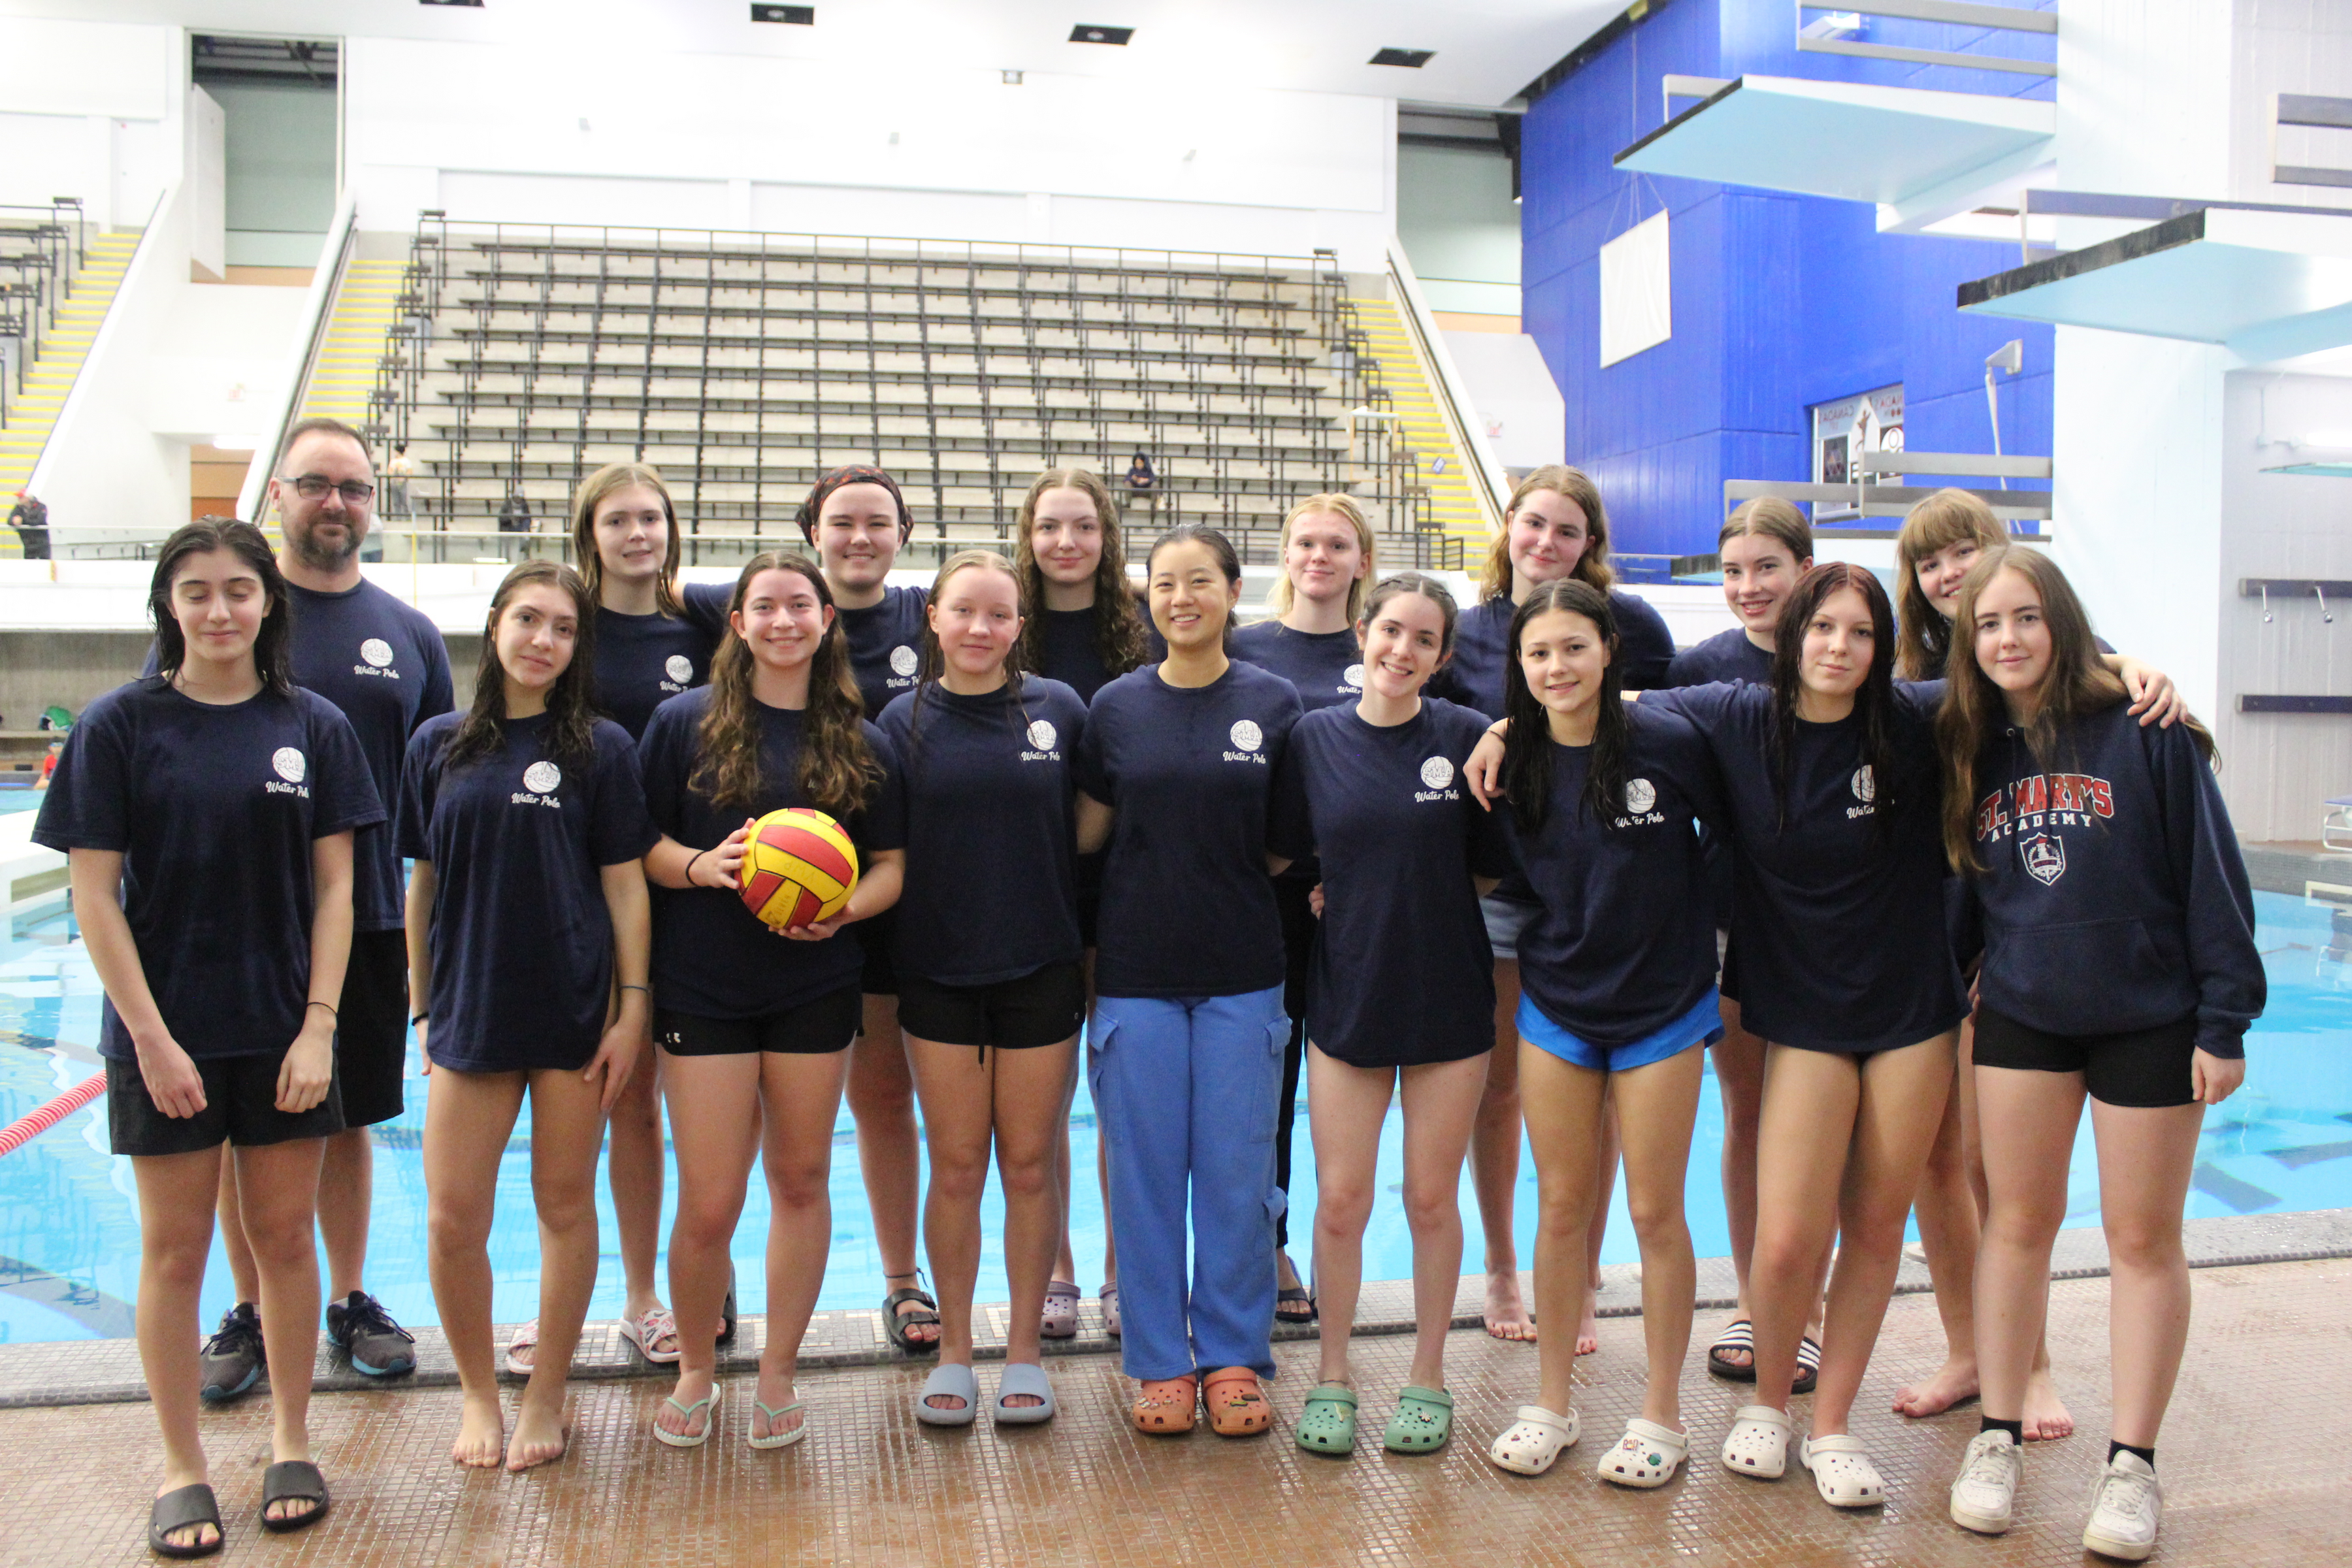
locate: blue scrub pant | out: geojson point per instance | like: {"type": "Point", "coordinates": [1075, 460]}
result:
{"type": "Point", "coordinates": [1185, 1090]}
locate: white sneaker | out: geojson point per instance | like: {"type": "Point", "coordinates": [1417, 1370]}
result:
{"type": "Point", "coordinates": [1986, 1489]}
{"type": "Point", "coordinates": [2125, 1510]}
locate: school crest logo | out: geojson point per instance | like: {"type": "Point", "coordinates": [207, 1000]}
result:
{"type": "Point", "coordinates": [1042, 735]}
{"type": "Point", "coordinates": [1247, 736]}
{"type": "Point", "coordinates": [1353, 677]}
{"type": "Point", "coordinates": [679, 667]}
{"type": "Point", "coordinates": [2045, 858]}
{"type": "Point", "coordinates": [377, 652]}
{"type": "Point", "coordinates": [902, 661]}
{"type": "Point", "coordinates": [1641, 794]}
{"type": "Point", "coordinates": [543, 777]}
{"type": "Point", "coordinates": [289, 763]}
{"type": "Point", "coordinates": [1437, 773]}
{"type": "Point", "coordinates": [1865, 787]}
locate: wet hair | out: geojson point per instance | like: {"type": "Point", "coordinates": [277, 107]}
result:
{"type": "Point", "coordinates": [1769, 517]}
{"type": "Point", "coordinates": [1873, 702]}
{"type": "Point", "coordinates": [1120, 641]}
{"type": "Point", "coordinates": [317, 425]}
{"type": "Point", "coordinates": [836, 770]}
{"type": "Point", "coordinates": [2075, 686]}
{"type": "Point", "coordinates": [1329, 504]}
{"type": "Point", "coordinates": [935, 657]}
{"type": "Point", "coordinates": [593, 491]}
{"type": "Point", "coordinates": [1576, 485]}
{"type": "Point", "coordinates": [811, 511]}
{"type": "Point", "coordinates": [1229, 560]}
{"type": "Point", "coordinates": [1526, 745]}
{"type": "Point", "coordinates": [272, 645]}
{"type": "Point", "coordinates": [1396, 587]}
{"type": "Point", "coordinates": [570, 703]}
{"type": "Point", "coordinates": [1923, 637]}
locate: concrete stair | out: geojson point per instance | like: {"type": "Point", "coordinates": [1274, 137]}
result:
{"type": "Point", "coordinates": [358, 324]}
{"type": "Point", "coordinates": [1454, 508]}
{"type": "Point", "coordinates": [33, 413]}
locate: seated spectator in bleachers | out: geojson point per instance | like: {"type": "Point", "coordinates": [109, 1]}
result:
{"type": "Point", "coordinates": [514, 517]}
{"type": "Point", "coordinates": [30, 518]}
{"type": "Point", "coordinates": [1141, 475]}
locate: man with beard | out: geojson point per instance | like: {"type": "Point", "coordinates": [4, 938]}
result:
{"type": "Point", "coordinates": [384, 665]}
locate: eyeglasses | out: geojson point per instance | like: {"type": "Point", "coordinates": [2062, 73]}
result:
{"type": "Point", "coordinates": [314, 487]}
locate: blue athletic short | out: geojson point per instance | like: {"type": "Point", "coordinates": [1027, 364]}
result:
{"type": "Point", "coordinates": [1702, 1026]}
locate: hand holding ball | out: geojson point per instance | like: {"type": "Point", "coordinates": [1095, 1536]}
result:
{"type": "Point", "coordinates": [799, 867]}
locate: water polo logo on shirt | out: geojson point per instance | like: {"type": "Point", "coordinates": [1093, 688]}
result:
{"type": "Point", "coordinates": [903, 661]}
{"type": "Point", "coordinates": [289, 763]}
{"type": "Point", "coordinates": [377, 652]}
{"type": "Point", "coordinates": [1865, 787]}
{"type": "Point", "coordinates": [1641, 794]}
{"type": "Point", "coordinates": [1247, 736]}
{"type": "Point", "coordinates": [1437, 773]}
{"type": "Point", "coordinates": [543, 777]}
{"type": "Point", "coordinates": [1043, 735]}
{"type": "Point", "coordinates": [1353, 677]}
{"type": "Point", "coordinates": [2045, 858]}
{"type": "Point", "coordinates": [679, 667]}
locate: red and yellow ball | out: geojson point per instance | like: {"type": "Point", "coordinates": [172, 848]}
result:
{"type": "Point", "coordinates": [799, 867]}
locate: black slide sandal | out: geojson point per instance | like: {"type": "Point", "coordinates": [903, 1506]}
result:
{"type": "Point", "coordinates": [896, 1323]}
{"type": "Point", "coordinates": [1739, 1335]}
{"type": "Point", "coordinates": [1809, 1367]}
{"type": "Point", "coordinates": [292, 1481]}
{"type": "Point", "coordinates": [1295, 1298]}
{"type": "Point", "coordinates": [193, 1504]}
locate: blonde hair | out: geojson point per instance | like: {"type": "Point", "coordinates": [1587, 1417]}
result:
{"type": "Point", "coordinates": [1573, 484]}
{"type": "Point", "coordinates": [1330, 504]}
{"type": "Point", "coordinates": [593, 491]}
{"type": "Point", "coordinates": [1769, 517]}
{"type": "Point", "coordinates": [1923, 639]}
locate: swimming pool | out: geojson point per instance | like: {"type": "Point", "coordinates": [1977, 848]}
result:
{"type": "Point", "coordinates": [69, 1232]}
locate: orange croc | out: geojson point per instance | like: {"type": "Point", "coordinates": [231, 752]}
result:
{"type": "Point", "coordinates": [1165, 1407]}
{"type": "Point", "coordinates": [1237, 1405]}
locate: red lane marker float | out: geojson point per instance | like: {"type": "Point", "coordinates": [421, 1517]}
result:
{"type": "Point", "coordinates": [25, 1129]}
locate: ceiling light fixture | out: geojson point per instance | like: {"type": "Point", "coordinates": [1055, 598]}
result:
{"type": "Point", "coordinates": [1085, 34]}
{"type": "Point", "coordinates": [477, 5]}
{"type": "Point", "coordinates": [1012, 79]}
{"type": "Point", "coordinates": [796, 15]}
{"type": "Point", "coordinates": [1412, 59]}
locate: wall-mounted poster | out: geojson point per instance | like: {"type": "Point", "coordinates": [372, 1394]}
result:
{"type": "Point", "coordinates": [1845, 429]}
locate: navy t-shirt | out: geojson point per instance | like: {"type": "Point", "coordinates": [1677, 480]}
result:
{"type": "Point", "coordinates": [1727, 656]}
{"type": "Point", "coordinates": [886, 645]}
{"type": "Point", "coordinates": [1328, 668]}
{"type": "Point", "coordinates": [1187, 907]}
{"type": "Point", "coordinates": [1481, 650]}
{"type": "Point", "coordinates": [1838, 922]}
{"type": "Point", "coordinates": [991, 797]}
{"type": "Point", "coordinates": [522, 942]}
{"type": "Point", "coordinates": [1625, 941]}
{"type": "Point", "coordinates": [643, 661]}
{"type": "Point", "coordinates": [712, 957]}
{"type": "Point", "coordinates": [1071, 649]}
{"type": "Point", "coordinates": [1401, 974]}
{"type": "Point", "coordinates": [214, 808]}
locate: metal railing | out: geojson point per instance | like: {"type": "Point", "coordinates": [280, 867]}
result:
{"type": "Point", "coordinates": [319, 306]}
{"type": "Point", "coordinates": [1489, 487]}
{"type": "Point", "coordinates": [39, 257]}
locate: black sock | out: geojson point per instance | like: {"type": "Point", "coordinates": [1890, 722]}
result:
{"type": "Point", "coordinates": [2114, 1448]}
{"type": "Point", "coordinates": [2016, 1429]}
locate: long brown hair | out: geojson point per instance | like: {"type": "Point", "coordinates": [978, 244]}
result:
{"type": "Point", "coordinates": [1873, 703]}
{"type": "Point", "coordinates": [1344, 506]}
{"type": "Point", "coordinates": [607, 481]}
{"type": "Point", "coordinates": [1924, 639]}
{"type": "Point", "coordinates": [272, 645]}
{"type": "Point", "coordinates": [2075, 686]}
{"type": "Point", "coordinates": [570, 703]}
{"type": "Point", "coordinates": [1576, 485]}
{"type": "Point", "coordinates": [836, 771]}
{"type": "Point", "coordinates": [1118, 624]}
{"type": "Point", "coordinates": [1527, 745]}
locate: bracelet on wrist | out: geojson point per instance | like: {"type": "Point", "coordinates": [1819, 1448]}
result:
{"type": "Point", "coordinates": [416, 1018]}
{"type": "Point", "coordinates": [646, 989]}
{"type": "Point", "coordinates": [689, 866]}
{"type": "Point", "coordinates": [331, 1011]}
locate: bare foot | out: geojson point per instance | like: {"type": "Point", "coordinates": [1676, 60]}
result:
{"type": "Point", "coordinates": [775, 1393]}
{"type": "Point", "coordinates": [1588, 1333]}
{"type": "Point", "coordinates": [204, 1534]}
{"type": "Point", "coordinates": [683, 1414]}
{"type": "Point", "coordinates": [481, 1435]}
{"type": "Point", "coordinates": [1507, 1312]}
{"type": "Point", "coordinates": [1954, 1382]}
{"type": "Point", "coordinates": [538, 1438]}
{"type": "Point", "coordinates": [2046, 1415]}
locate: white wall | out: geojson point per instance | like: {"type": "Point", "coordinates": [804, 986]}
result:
{"type": "Point", "coordinates": [207, 165]}
{"type": "Point", "coordinates": [90, 109]}
{"type": "Point", "coordinates": [1455, 219]}
{"type": "Point", "coordinates": [1515, 403]}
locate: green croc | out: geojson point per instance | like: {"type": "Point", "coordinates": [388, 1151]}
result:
{"type": "Point", "coordinates": [1422, 1422]}
{"type": "Point", "coordinates": [1327, 1424]}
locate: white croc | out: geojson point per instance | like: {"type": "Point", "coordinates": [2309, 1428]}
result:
{"type": "Point", "coordinates": [1758, 1443]}
{"type": "Point", "coordinates": [1648, 1455]}
{"type": "Point", "coordinates": [1984, 1495]}
{"type": "Point", "coordinates": [1529, 1444]}
{"type": "Point", "coordinates": [1843, 1472]}
{"type": "Point", "coordinates": [2126, 1511]}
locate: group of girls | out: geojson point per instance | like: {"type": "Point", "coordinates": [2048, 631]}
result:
{"type": "Point", "coordinates": [1269, 853]}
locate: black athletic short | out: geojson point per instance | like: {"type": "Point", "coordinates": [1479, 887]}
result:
{"type": "Point", "coordinates": [815, 1027]}
{"type": "Point", "coordinates": [1043, 1007]}
{"type": "Point", "coordinates": [371, 1027]}
{"type": "Point", "coordinates": [881, 976]}
{"type": "Point", "coordinates": [2141, 1067]}
{"type": "Point", "coordinates": [240, 1109]}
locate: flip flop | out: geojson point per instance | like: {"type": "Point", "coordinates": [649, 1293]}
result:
{"type": "Point", "coordinates": [1061, 1317]}
{"type": "Point", "coordinates": [1422, 1422]}
{"type": "Point", "coordinates": [1740, 1336]}
{"type": "Point", "coordinates": [190, 1504]}
{"type": "Point", "coordinates": [775, 1439]}
{"type": "Point", "coordinates": [949, 1378]}
{"type": "Point", "coordinates": [1327, 1425]}
{"type": "Point", "coordinates": [709, 1404]}
{"type": "Point", "coordinates": [292, 1481]}
{"type": "Point", "coordinates": [896, 1323]}
{"type": "Point", "coordinates": [1024, 1378]}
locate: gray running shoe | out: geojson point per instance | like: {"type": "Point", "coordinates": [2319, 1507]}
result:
{"type": "Point", "coordinates": [378, 1347]}
{"type": "Point", "coordinates": [233, 1358]}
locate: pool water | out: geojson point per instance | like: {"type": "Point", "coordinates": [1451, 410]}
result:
{"type": "Point", "coordinates": [69, 1227]}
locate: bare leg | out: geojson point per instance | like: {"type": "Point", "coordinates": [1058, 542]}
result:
{"type": "Point", "coordinates": [278, 1184]}
{"type": "Point", "coordinates": [1588, 1326]}
{"type": "Point", "coordinates": [635, 1175]}
{"type": "Point", "coordinates": [1441, 1106]}
{"type": "Point", "coordinates": [1947, 1206]}
{"type": "Point", "coordinates": [2145, 1156]}
{"type": "Point", "coordinates": [1346, 1107]}
{"type": "Point", "coordinates": [800, 1095]}
{"type": "Point", "coordinates": [1565, 1106]}
{"type": "Point", "coordinates": [2029, 1132]}
{"type": "Point", "coordinates": [1740, 1080]}
{"type": "Point", "coordinates": [714, 1102]}
{"type": "Point", "coordinates": [1031, 1086]}
{"type": "Point", "coordinates": [467, 1119]}
{"type": "Point", "coordinates": [176, 1196]}
{"type": "Point", "coordinates": [2046, 1415]}
{"type": "Point", "coordinates": [882, 1104]}
{"type": "Point", "coordinates": [567, 1128]}
{"type": "Point", "coordinates": [1656, 1108]}
{"type": "Point", "coordinates": [241, 1271]}
{"type": "Point", "coordinates": [1495, 1164]}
